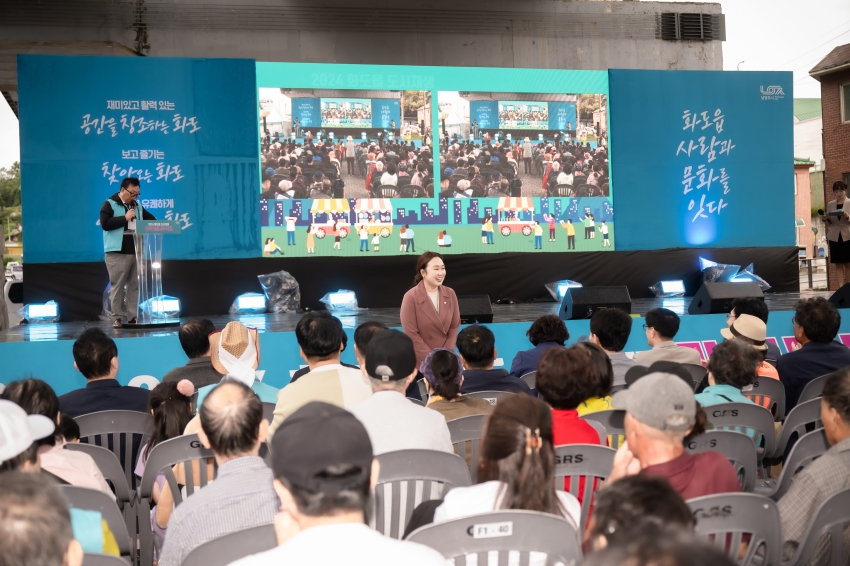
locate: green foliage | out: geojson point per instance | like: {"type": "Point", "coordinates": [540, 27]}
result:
{"type": "Point", "coordinates": [411, 101]}
{"type": "Point", "coordinates": [10, 186]}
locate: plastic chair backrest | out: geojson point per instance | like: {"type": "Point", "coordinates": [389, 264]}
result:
{"type": "Point", "coordinates": [562, 190]}
{"type": "Point", "coordinates": [587, 466]}
{"type": "Point", "coordinates": [492, 397]}
{"type": "Point", "coordinates": [503, 532]}
{"type": "Point", "coordinates": [830, 518]}
{"type": "Point", "coordinates": [91, 499]}
{"type": "Point", "coordinates": [407, 478]}
{"type": "Point", "coordinates": [423, 390]}
{"type": "Point", "coordinates": [697, 372]}
{"type": "Point", "coordinates": [600, 430]}
{"type": "Point", "coordinates": [799, 420]}
{"type": "Point", "coordinates": [109, 466]}
{"type": "Point", "coordinates": [813, 389]}
{"type": "Point", "coordinates": [730, 516]}
{"type": "Point", "coordinates": [748, 418]}
{"type": "Point", "coordinates": [388, 191]}
{"type": "Point", "coordinates": [805, 451]}
{"type": "Point", "coordinates": [736, 446]}
{"type": "Point", "coordinates": [612, 420]}
{"type": "Point", "coordinates": [231, 547]}
{"type": "Point", "coordinates": [530, 379]}
{"type": "Point", "coordinates": [96, 559]}
{"type": "Point", "coordinates": [114, 430]}
{"type": "Point", "coordinates": [770, 394]}
{"type": "Point", "coordinates": [268, 411]}
{"type": "Point", "coordinates": [466, 436]}
{"type": "Point", "coordinates": [416, 401]}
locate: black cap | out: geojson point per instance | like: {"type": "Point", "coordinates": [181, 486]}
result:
{"type": "Point", "coordinates": [663, 366]}
{"type": "Point", "coordinates": [390, 356]}
{"type": "Point", "coordinates": [316, 437]}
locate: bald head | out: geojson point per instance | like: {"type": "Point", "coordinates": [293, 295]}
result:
{"type": "Point", "coordinates": [232, 420]}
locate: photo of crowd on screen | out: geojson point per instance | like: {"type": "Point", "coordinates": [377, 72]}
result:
{"type": "Point", "coordinates": [509, 144]}
{"type": "Point", "coordinates": [335, 144]}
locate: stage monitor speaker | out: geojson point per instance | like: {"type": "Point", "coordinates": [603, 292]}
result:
{"type": "Point", "coordinates": [841, 298]}
{"type": "Point", "coordinates": [717, 297]}
{"type": "Point", "coordinates": [475, 309]}
{"type": "Point", "coordinates": [582, 302]}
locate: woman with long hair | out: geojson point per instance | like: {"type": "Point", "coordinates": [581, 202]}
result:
{"type": "Point", "coordinates": [443, 373]}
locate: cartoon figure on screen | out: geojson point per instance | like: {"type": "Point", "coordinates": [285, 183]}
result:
{"type": "Point", "coordinates": [571, 233]}
{"type": "Point", "coordinates": [538, 236]}
{"type": "Point", "coordinates": [376, 243]}
{"type": "Point", "coordinates": [444, 240]}
{"type": "Point", "coordinates": [592, 227]}
{"type": "Point", "coordinates": [403, 237]}
{"type": "Point", "coordinates": [311, 242]}
{"type": "Point", "coordinates": [550, 218]}
{"type": "Point", "coordinates": [606, 243]}
{"type": "Point", "coordinates": [290, 230]}
{"type": "Point", "coordinates": [488, 228]}
{"type": "Point", "coordinates": [586, 222]}
{"type": "Point", "coordinates": [409, 233]}
{"type": "Point", "coordinates": [271, 248]}
{"type": "Point", "coordinates": [337, 236]}
{"type": "Point", "coordinates": [364, 238]}
{"type": "Point", "coordinates": [484, 230]}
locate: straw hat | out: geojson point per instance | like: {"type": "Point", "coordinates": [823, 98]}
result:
{"type": "Point", "coordinates": [233, 339]}
{"type": "Point", "coordinates": [750, 329]}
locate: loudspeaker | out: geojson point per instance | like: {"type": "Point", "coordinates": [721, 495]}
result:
{"type": "Point", "coordinates": [475, 309]}
{"type": "Point", "coordinates": [717, 297]}
{"type": "Point", "coordinates": [582, 302]}
{"type": "Point", "coordinates": [841, 298]}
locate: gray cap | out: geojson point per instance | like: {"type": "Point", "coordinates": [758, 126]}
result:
{"type": "Point", "coordinates": [659, 400]}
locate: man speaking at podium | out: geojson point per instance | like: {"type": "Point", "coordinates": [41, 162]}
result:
{"type": "Point", "coordinates": [118, 220]}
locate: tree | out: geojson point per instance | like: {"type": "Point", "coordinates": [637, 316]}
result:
{"type": "Point", "coordinates": [10, 185]}
{"type": "Point", "coordinates": [587, 104]}
{"type": "Point", "coordinates": [411, 101]}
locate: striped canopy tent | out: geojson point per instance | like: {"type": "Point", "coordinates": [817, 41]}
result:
{"type": "Point", "coordinates": [516, 203]}
{"type": "Point", "coordinates": [373, 204]}
{"type": "Point", "coordinates": [329, 205]}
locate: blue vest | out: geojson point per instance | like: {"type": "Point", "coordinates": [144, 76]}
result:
{"type": "Point", "coordinates": [112, 239]}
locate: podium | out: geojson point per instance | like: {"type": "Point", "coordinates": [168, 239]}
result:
{"type": "Point", "coordinates": [148, 239]}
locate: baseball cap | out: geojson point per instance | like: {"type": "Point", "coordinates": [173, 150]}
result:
{"type": "Point", "coordinates": [299, 458]}
{"type": "Point", "coordinates": [660, 400]}
{"type": "Point", "coordinates": [662, 366]}
{"type": "Point", "coordinates": [19, 430]}
{"type": "Point", "coordinates": [390, 356]}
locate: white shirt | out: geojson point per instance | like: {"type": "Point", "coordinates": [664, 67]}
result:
{"type": "Point", "coordinates": [352, 544]}
{"type": "Point", "coordinates": [387, 179]}
{"type": "Point", "coordinates": [394, 423]}
{"type": "Point", "coordinates": [484, 498]}
{"type": "Point", "coordinates": [435, 298]}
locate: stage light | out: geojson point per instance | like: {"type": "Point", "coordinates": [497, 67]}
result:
{"type": "Point", "coordinates": [249, 303]}
{"type": "Point", "coordinates": [44, 312]}
{"type": "Point", "coordinates": [559, 288]}
{"type": "Point", "coordinates": [156, 265]}
{"type": "Point", "coordinates": [341, 300]}
{"type": "Point", "coordinates": [162, 306]}
{"type": "Point", "coordinates": [668, 289]}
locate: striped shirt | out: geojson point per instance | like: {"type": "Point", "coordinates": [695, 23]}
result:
{"type": "Point", "coordinates": [241, 497]}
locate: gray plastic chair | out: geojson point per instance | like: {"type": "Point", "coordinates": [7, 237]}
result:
{"type": "Point", "coordinates": [466, 436]}
{"type": "Point", "coordinates": [813, 389]}
{"type": "Point", "coordinates": [697, 372]}
{"type": "Point", "coordinates": [530, 379]}
{"type": "Point", "coordinates": [736, 446]}
{"type": "Point", "coordinates": [612, 420]}
{"type": "Point", "coordinates": [730, 516]}
{"type": "Point", "coordinates": [165, 455]}
{"type": "Point", "coordinates": [96, 559]}
{"type": "Point", "coordinates": [830, 518]}
{"type": "Point", "coordinates": [491, 396]}
{"type": "Point", "coordinates": [111, 429]}
{"type": "Point", "coordinates": [800, 418]}
{"type": "Point", "coordinates": [770, 394]}
{"type": "Point", "coordinates": [503, 532]}
{"type": "Point", "coordinates": [750, 419]}
{"type": "Point", "coordinates": [268, 411]}
{"type": "Point", "coordinates": [616, 388]}
{"type": "Point", "coordinates": [589, 463]}
{"type": "Point", "coordinates": [423, 390]}
{"type": "Point", "coordinates": [600, 430]}
{"type": "Point", "coordinates": [416, 401]}
{"type": "Point", "coordinates": [94, 500]}
{"type": "Point", "coordinates": [806, 450]}
{"type": "Point", "coordinates": [229, 548]}
{"type": "Point", "coordinates": [407, 478]}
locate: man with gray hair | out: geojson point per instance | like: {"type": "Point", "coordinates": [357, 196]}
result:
{"type": "Point", "coordinates": [660, 412]}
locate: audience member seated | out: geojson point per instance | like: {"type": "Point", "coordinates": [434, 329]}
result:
{"type": "Point", "coordinates": [564, 380]}
{"type": "Point", "coordinates": [672, 368]}
{"type": "Point", "coordinates": [35, 523]}
{"type": "Point", "coordinates": [324, 488]}
{"type": "Point", "coordinates": [753, 331]}
{"type": "Point", "coordinates": [392, 421]}
{"type": "Point", "coordinates": [546, 332]}
{"type": "Point", "coordinates": [96, 357]}
{"type": "Point", "coordinates": [825, 476]}
{"type": "Point", "coordinates": [757, 308]}
{"type": "Point", "coordinates": [816, 323]}
{"type": "Point", "coordinates": [516, 466]}
{"type": "Point", "coordinates": [195, 340]}
{"type": "Point", "coordinates": [477, 347]}
{"type": "Point", "coordinates": [660, 412]}
{"type": "Point", "coordinates": [76, 468]}
{"type": "Point", "coordinates": [321, 339]}
{"type": "Point", "coordinates": [68, 428]}
{"type": "Point", "coordinates": [241, 496]}
{"type": "Point", "coordinates": [171, 406]}
{"type": "Point", "coordinates": [602, 376]}
{"type": "Point", "coordinates": [362, 335]}
{"type": "Point", "coordinates": [731, 367]}
{"type": "Point", "coordinates": [625, 508]}
{"type": "Point", "coordinates": [235, 354]}
{"type": "Point", "coordinates": [661, 326]}
{"type": "Point", "coordinates": [443, 371]}
{"type": "Point", "coordinates": [655, 546]}
{"type": "Point", "coordinates": [18, 435]}
{"type": "Point", "coordinates": [610, 329]}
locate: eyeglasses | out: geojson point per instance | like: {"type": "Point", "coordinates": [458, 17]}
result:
{"type": "Point", "coordinates": [645, 327]}
{"type": "Point", "coordinates": [794, 321]}
{"type": "Point", "coordinates": [729, 316]}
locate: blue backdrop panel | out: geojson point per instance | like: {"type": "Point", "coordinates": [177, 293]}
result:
{"type": "Point", "coordinates": [385, 112]}
{"type": "Point", "coordinates": [52, 360]}
{"type": "Point", "coordinates": [308, 111]}
{"type": "Point", "coordinates": [562, 114]}
{"type": "Point", "coordinates": [185, 127]}
{"type": "Point", "coordinates": [486, 112]}
{"type": "Point", "coordinates": [702, 158]}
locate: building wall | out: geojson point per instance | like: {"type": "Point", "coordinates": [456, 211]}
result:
{"type": "Point", "coordinates": [803, 208]}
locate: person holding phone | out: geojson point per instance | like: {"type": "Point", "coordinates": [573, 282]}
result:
{"type": "Point", "coordinates": [837, 220]}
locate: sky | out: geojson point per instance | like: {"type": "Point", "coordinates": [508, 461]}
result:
{"type": "Point", "coordinates": [767, 35]}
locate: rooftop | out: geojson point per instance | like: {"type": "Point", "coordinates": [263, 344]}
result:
{"type": "Point", "coordinates": [838, 58]}
{"type": "Point", "coordinates": [807, 108]}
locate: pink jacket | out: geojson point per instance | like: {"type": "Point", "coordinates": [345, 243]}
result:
{"type": "Point", "coordinates": [427, 328]}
